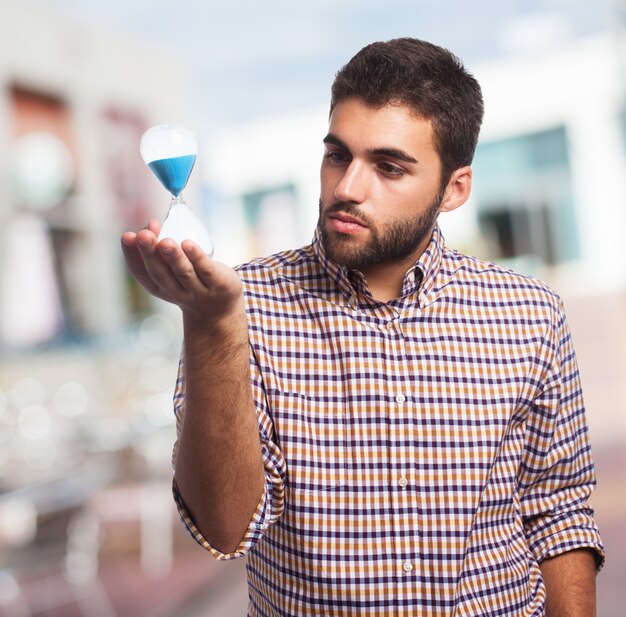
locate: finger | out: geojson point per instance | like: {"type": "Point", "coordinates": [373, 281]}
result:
{"type": "Point", "coordinates": [180, 265]}
{"type": "Point", "coordinates": [221, 284]}
{"type": "Point", "coordinates": [156, 266]}
{"type": "Point", "coordinates": [134, 262]}
{"type": "Point", "coordinates": [154, 226]}
{"type": "Point", "coordinates": [132, 256]}
{"type": "Point", "coordinates": [202, 264]}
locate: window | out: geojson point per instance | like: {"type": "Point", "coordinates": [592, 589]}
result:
{"type": "Point", "coordinates": [271, 219]}
{"type": "Point", "coordinates": [524, 198]}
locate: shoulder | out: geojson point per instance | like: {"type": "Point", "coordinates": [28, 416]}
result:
{"type": "Point", "coordinates": [289, 264]}
{"type": "Point", "coordinates": [282, 261]}
{"type": "Point", "coordinates": [493, 284]}
{"type": "Point", "coordinates": [287, 272]}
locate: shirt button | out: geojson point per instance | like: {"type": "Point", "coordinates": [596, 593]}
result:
{"type": "Point", "coordinates": [403, 482]}
{"type": "Point", "coordinates": [400, 398]}
{"type": "Point", "coordinates": [407, 566]}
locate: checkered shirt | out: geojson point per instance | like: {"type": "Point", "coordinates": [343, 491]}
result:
{"type": "Point", "coordinates": [423, 455]}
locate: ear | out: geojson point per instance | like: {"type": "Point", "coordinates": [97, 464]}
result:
{"type": "Point", "coordinates": [457, 190]}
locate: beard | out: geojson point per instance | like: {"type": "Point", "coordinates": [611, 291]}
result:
{"type": "Point", "coordinates": [396, 243]}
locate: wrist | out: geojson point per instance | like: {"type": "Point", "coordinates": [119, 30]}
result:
{"type": "Point", "coordinates": [229, 326]}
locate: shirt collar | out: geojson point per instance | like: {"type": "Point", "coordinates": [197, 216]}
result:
{"type": "Point", "coordinates": [429, 264]}
{"type": "Point", "coordinates": [420, 277]}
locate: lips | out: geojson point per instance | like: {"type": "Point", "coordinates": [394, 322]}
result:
{"type": "Point", "coordinates": [344, 223]}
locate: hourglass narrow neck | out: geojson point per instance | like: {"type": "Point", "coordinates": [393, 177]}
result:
{"type": "Point", "coordinates": [177, 200]}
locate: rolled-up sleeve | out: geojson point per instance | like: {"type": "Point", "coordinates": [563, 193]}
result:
{"type": "Point", "coordinates": [557, 474]}
{"type": "Point", "coordinates": [271, 504]}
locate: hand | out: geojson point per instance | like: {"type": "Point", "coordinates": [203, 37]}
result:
{"type": "Point", "coordinates": [204, 289]}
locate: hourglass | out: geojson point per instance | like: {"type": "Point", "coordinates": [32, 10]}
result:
{"type": "Point", "coordinates": [170, 150]}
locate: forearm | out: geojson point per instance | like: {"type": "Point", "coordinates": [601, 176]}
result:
{"type": "Point", "coordinates": [570, 581]}
{"type": "Point", "coordinates": [219, 471]}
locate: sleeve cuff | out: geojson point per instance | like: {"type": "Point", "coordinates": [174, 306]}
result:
{"type": "Point", "coordinates": [256, 527]}
{"type": "Point", "coordinates": [553, 535]}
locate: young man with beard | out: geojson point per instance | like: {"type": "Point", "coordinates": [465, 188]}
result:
{"type": "Point", "coordinates": [383, 425]}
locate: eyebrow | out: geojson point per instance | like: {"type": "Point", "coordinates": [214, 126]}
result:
{"type": "Point", "coordinates": [394, 153]}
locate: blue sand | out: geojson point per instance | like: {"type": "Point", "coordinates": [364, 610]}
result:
{"type": "Point", "coordinates": [173, 173]}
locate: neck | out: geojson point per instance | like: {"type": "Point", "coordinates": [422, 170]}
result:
{"type": "Point", "coordinates": [385, 280]}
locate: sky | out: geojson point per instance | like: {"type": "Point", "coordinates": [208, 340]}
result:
{"type": "Point", "coordinates": [248, 58]}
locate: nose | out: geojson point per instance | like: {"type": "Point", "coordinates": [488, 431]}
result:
{"type": "Point", "coordinates": [352, 184]}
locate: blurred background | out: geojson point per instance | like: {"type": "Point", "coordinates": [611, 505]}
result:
{"type": "Point", "coordinates": [88, 361]}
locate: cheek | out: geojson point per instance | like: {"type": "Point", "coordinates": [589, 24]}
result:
{"type": "Point", "coordinates": [324, 176]}
{"type": "Point", "coordinates": [411, 197]}
{"type": "Point", "coordinates": [328, 182]}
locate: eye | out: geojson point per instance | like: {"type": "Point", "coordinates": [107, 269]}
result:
{"type": "Point", "coordinates": [390, 169]}
{"type": "Point", "coordinates": [336, 157]}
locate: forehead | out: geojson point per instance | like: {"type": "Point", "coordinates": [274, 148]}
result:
{"type": "Point", "coordinates": [390, 126]}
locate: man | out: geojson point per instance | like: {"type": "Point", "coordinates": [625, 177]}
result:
{"type": "Point", "coordinates": [382, 425]}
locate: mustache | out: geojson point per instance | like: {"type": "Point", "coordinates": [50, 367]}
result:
{"type": "Point", "coordinates": [349, 208]}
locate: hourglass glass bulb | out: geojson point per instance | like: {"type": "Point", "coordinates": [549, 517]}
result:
{"type": "Point", "coordinates": [170, 150]}
{"type": "Point", "coordinates": [182, 224]}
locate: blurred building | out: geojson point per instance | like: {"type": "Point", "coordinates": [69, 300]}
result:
{"type": "Point", "coordinates": [87, 523]}
{"type": "Point", "coordinates": [75, 98]}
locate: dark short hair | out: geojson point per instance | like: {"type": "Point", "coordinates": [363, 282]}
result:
{"type": "Point", "coordinates": [430, 80]}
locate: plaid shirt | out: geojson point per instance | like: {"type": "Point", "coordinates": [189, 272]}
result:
{"type": "Point", "coordinates": [422, 455]}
